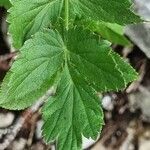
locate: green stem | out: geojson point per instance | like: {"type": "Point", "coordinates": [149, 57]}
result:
{"type": "Point", "coordinates": [66, 28]}
{"type": "Point", "coordinates": [67, 14]}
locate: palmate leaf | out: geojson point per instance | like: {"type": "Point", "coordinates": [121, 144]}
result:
{"type": "Point", "coordinates": [84, 64]}
{"type": "Point", "coordinates": [41, 14]}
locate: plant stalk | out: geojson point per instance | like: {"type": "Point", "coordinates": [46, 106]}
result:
{"type": "Point", "coordinates": [67, 15]}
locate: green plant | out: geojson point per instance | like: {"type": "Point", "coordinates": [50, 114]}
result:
{"type": "Point", "coordinates": [5, 3]}
{"type": "Point", "coordinates": [61, 44]}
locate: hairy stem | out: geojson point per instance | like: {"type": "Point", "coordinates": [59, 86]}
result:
{"type": "Point", "coordinates": [67, 14]}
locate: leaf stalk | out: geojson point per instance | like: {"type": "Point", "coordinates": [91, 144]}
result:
{"type": "Point", "coordinates": [67, 15]}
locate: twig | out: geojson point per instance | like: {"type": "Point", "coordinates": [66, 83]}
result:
{"type": "Point", "coordinates": [135, 85]}
{"type": "Point", "coordinates": [7, 56]}
{"type": "Point", "coordinates": [4, 64]}
{"type": "Point", "coordinates": [33, 126]}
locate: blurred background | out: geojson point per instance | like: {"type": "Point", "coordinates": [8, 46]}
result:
{"type": "Point", "coordinates": [127, 113]}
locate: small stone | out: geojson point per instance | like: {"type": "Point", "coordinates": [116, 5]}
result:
{"type": "Point", "coordinates": [19, 144]}
{"type": "Point", "coordinates": [6, 119]}
{"type": "Point", "coordinates": [107, 103]}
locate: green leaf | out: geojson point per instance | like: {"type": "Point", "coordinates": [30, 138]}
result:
{"type": "Point", "coordinates": [32, 18]}
{"type": "Point", "coordinates": [5, 3]}
{"type": "Point", "coordinates": [41, 14]}
{"type": "Point", "coordinates": [104, 10]}
{"type": "Point", "coordinates": [73, 112]}
{"type": "Point", "coordinates": [84, 64]}
{"type": "Point", "coordinates": [94, 60]}
{"type": "Point", "coordinates": [32, 74]}
{"type": "Point", "coordinates": [110, 31]}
